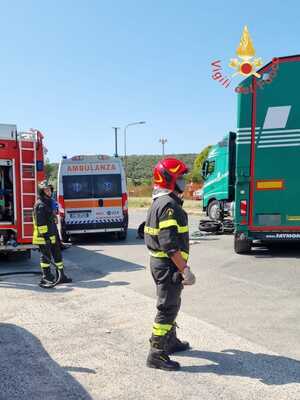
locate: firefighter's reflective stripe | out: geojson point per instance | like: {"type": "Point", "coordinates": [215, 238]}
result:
{"type": "Point", "coordinates": [161, 329]}
{"type": "Point", "coordinates": [162, 254]}
{"type": "Point", "coordinates": [40, 230]}
{"type": "Point", "coordinates": [182, 229]}
{"type": "Point", "coordinates": [43, 229]}
{"type": "Point", "coordinates": [59, 265]}
{"type": "Point", "coordinates": [151, 231]}
{"type": "Point", "coordinates": [168, 223]}
{"type": "Point", "coordinates": [173, 222]}
{"type": "Point", "coordinates": [164, 225]}
{"type": "Point", "coordinates": [40, 240]}
{"type": "Point", "coordinates": [44, 265]}
{"type": "Point", "coordinates": [166, 228]}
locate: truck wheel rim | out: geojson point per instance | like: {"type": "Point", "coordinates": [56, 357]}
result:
{"type": "Point", "coordinates": [214, 212]}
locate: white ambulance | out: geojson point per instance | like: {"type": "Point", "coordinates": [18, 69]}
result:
{"type": "Point", "coordinates": [92, 196]}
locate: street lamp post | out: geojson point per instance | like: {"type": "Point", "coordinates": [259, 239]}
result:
{"type": "Point", "coordinates": [163, 141]}
{"type": "Point", "coordinates": [125, 150]}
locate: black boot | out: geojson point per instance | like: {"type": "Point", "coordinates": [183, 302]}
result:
{"type": "Point", "coordinates": [174, 345]}
{"type": "Point", "coordinates": [47, 276]}
{"type": "Point", "coordinates": [63, 277]}
{"type": "Point", "coordinates": [158, 357]}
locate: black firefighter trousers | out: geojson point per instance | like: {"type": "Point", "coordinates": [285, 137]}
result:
{"type": "Point", "coordinates": [49, 251]}
{"type": "Point", "coordinates": [169, 286]}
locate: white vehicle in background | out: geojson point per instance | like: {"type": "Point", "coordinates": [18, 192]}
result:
{"type": "Point", "coordinates": [92, 196]}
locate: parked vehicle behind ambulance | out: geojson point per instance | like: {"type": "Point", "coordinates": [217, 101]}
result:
{"type": "Point", "coordinates": [92, 196]}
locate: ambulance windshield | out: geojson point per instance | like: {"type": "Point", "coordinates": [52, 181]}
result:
{"type": "Point", "coordinates": [92, 186]}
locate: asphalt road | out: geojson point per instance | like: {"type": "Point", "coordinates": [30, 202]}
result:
{"type": "Point", "coordinates": [89, 340]}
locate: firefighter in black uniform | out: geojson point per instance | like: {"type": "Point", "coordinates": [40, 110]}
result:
{"type": "Point", "coordinates": [44, 234]}
{"type": "Point", "coordinates": [167, 239]}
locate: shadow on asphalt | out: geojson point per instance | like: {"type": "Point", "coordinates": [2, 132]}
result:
{"type": "Point", "coordinates": [203, 236]}
{"type": "Point", "coordinates": [28, 372]}
{"type": "Point", "coordinates": [268, 369]}
{"type": "Point", "coordinates": [283, 250]}
{"type": "Point", "coordinates": [108, 239]}
{"type": "Point", "coordinates": [88, 267]}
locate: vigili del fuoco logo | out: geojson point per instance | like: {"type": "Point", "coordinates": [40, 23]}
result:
{"type": "Point", "coordinates": [245, 65]}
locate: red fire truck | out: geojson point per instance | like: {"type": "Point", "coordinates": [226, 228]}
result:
{"type": "Point", "coordinates": [21, 169]}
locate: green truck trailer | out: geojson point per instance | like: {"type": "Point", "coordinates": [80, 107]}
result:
{"type": "Point", "coordinates": [267, 152]}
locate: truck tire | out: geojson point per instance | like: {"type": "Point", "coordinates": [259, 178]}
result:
{"type": "Point", "coordinates": [242, 246]}
{"type": "Point", "coordinates": [214, 210]}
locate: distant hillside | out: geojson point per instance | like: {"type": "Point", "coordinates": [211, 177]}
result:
{"type": "Point", "coordinates": [139, 167]}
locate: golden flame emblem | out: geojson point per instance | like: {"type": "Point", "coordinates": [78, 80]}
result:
{"type": "Point", "coordinates": [246, 53]}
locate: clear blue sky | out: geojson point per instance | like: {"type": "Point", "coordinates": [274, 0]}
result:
{"type": "Point", "coordinates": [74, 69]}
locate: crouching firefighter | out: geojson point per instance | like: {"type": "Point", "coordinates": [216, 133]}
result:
{"type": "Point", "coordinates": [44, 235]}
{"type": "Point", "coordinates": [167, 238]}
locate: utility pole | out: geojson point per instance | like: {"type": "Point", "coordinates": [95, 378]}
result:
{"type": "Point", "coordinates": [116, 140]}
{"type": "Point", "coordinates": [163, 141]}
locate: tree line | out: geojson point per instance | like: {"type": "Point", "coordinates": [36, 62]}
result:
{"type": "Point", "coordinates": [140, 167]}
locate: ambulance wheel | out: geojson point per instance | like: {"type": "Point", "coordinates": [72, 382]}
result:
{"type": "Point", "coordinates": [214, 210]}
{"type": "Point", "coordinates": [242, 246]}
{"type": "Point", "coordinates": [122, 235]}
{"type": "Point", "coordinates": [64, 237]}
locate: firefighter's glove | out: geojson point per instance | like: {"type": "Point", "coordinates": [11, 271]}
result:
{"type": "Point", "coordinates": [188, 277]}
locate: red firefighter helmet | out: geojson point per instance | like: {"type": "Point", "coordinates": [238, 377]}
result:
{"type": "Point", "coordinates": [167, 171]}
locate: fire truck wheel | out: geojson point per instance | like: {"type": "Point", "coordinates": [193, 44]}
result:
{"type": "Point", "coordinates": [214, 210]}
{"type": "Point", "coordinates": [242, 246]}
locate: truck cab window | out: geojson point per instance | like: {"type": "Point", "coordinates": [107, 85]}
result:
{"type": "Point", "coordinates": [211, 167]}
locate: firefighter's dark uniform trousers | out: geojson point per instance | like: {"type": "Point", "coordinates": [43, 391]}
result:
{"type": "Point", "coordinates": [166, 232]}
{"type": "Point", "coordinates": [44, 233]}
{"type": "Point", "coordinates": [168, 290]}
{"type": "Point", "coordinates": [48, 251]}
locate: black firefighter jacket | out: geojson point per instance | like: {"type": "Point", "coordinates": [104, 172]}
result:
{"type": "Point", "coordinates": [166, 228]}
{"type": "Point", "coordinates": [44, 227]}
